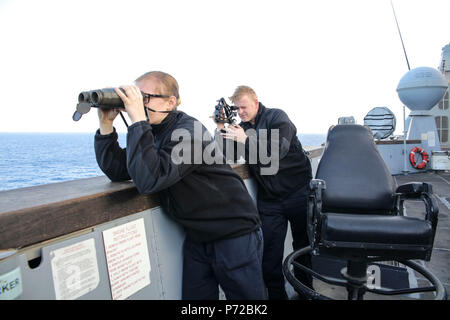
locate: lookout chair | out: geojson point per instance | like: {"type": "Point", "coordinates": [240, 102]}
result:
{"type": "Point", "coordinates": [355, 213]}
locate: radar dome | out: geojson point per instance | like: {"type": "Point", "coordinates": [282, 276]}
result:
{"type": "Point", "coordinates": [422, 88]}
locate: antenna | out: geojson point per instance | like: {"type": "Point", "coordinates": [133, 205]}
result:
{"type": "Point", "coordinates": [405, 171]}
{"type": "Point", "coordinates": [398, 28]}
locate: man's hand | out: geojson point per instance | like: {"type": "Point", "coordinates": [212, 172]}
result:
{"type": "Point", "coordinates": [235, 133]}
{"type": "Point", "coordinates": [133, 101]}
{"type": "Point", "coordinates": [106, 118]}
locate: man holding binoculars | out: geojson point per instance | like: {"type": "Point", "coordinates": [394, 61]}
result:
{"type": "Point", "coordinates": [223, 244]}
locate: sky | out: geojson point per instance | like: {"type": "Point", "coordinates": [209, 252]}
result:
{"type": "Point", "coordinates": [317, 60]}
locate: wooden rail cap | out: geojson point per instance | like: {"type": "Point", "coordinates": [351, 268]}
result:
{"type": "Point", "coordinates": [35, 214]}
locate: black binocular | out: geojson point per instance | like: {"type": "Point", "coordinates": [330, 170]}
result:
{"type": "Point", "coordinates": [100, 98]}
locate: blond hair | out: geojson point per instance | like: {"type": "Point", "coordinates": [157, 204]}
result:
{"type": "Point", "coordinates": [168, 84]}
{"type": "Point", "coordinates": [243, 90]}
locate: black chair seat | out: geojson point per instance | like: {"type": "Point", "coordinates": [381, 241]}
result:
{"type": "Point", "coordinates": [376, 232]}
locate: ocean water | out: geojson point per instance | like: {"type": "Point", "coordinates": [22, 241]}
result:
{"type": "Point", "coordinates": [30, 159]}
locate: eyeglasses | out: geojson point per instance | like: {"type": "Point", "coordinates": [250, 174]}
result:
{"type": "Point", "coordinates": [148, 96]}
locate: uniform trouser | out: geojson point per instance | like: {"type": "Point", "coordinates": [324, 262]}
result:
{"type": "Point", "coordinates": [274, 218]}
{"type": "Point", "coordinates": [235, 264]}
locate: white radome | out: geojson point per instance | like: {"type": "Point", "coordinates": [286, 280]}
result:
{"type": "Point", "coordinates": [422, 88]}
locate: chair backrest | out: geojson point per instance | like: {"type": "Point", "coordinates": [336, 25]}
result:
{"type": "Point", "coordinates": [357, 179]}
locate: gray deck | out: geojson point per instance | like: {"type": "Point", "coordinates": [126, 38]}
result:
{"type": "Point", "coordinates": [440, 259]}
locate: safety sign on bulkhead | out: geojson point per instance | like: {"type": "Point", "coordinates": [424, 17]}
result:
{"type": "Point", "coordinates": [75, 270]}
{"type": "Point", "coordinates": [127, 258]}
{"type": "Point", "coordinates": [11, 285]}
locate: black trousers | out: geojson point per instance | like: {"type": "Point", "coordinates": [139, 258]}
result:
{"type": "Point", "coordinates": [235, 264]}
{"type": "Point", "coordinates": [274, 217]}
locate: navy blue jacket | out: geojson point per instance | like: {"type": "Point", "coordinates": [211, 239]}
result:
{"type": "Point", "coordinates": [294, 167]}
{"type": "Point", "coordinates": [210, 201]}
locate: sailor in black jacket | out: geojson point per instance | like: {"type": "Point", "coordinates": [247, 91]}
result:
{"type": "Point", "coordinates": [267, 140]}
{"type": "Point", "coordinates": [223, 242]}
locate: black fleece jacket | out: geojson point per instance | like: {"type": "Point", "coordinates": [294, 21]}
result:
{"type": "Point", "coordinates": [294, 167]}
{"type": "Point", "coordinates": [210, 201]}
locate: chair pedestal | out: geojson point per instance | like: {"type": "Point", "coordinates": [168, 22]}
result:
{"type": "Point", "coordinates": [356, 276]}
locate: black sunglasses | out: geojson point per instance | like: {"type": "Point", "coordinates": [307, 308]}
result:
{"type": "Point", "coordinates": [148, 96]}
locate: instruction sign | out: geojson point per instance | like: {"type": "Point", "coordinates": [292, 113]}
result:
{"type": "Point", "coordinates": [127, 258]}
{"type": "Point", "coordinates": [75, 270]}
{"type": "Point", "coordinates": [11, 285]}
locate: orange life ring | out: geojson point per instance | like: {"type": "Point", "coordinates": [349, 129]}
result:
{"type": "Point", "coordinates": [412, 159]}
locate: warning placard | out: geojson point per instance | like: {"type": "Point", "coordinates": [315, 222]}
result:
{"type": "Point", "coordinates": [127, 258]}
{"type": "Point", "coordinates": [75, 270]}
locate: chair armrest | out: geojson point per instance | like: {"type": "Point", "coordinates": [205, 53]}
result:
{"type": "Point", "coordinates": [316, 185]}
{"type": "Point", "coordinates": [432, 209]}
{"type": "Point", "coordinates": [423, 191]}
{"type": "Point", "coordinates": [314, 209]}
{"type": "Point", "coordinates": [414, 190]}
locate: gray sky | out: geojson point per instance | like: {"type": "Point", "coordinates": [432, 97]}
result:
{"type": "Point", "coordinates": [317, 60]}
